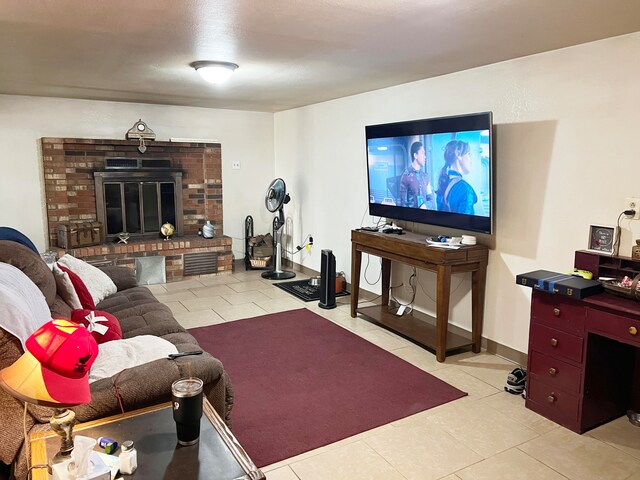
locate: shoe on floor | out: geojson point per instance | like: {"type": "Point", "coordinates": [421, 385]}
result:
{"type": "Point", "coordinates": [516, 381]}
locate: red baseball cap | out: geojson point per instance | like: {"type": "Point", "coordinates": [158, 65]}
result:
{"type": "Point", "coordinates": [54, 369]}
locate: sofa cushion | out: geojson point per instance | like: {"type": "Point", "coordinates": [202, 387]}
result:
{"type": "Point", "coordinates": [140, 313]}
{"type": "Point", "coordinates": [107, 320]}
{"type": "Point", "coordinates": [123, 277]}
{"type": "Point", "coordinates": [99, 284]}
{"type": "Point", "coordinates": [149, 320]}
{"type": "Point", "coordinates": [86, 300]}
{"type": "Point", "coordinates": [31, 265]}
{"type": "Point", "coordinates": [60, 308]}
{"type": "Point", "coordinates": [126, 299]}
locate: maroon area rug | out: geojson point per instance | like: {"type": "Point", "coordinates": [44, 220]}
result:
{"type": "Point", "coordinates": [301, 382]}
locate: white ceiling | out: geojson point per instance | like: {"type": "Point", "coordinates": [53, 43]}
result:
{"type": "Point", "coordinates": [291, 52]}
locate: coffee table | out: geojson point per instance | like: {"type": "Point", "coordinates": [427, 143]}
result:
{"type": "Point", "coordinates": [217, 455]}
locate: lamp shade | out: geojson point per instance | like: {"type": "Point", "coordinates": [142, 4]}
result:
{"type": "Point", "coordinates": [54, 369]}
{"type": "Point", "coordinates": [215, 72]}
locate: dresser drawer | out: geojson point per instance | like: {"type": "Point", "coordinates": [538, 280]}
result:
{"type": "Point", "coordinates": [557, 405]}
{"type": "Point", "coordinates": [555, 372]}
{"type": "Point", "coordinates": [558, 312]}
{"type": "Point", "coordinates": [555, 343]}
{"type": "Point", "coordinates": [621, 328]}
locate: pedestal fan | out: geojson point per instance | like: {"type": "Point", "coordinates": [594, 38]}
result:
{"type": "Point", "coordinates": [275, 200]}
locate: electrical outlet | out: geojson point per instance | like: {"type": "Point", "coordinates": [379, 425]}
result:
{"type": "Point", "coordinates": [235, 165]}
{"type": "Point", "coordinates": [633, 203]}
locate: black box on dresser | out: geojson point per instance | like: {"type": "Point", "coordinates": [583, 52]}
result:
{"type": "Point", "coordinates": [563, 284]}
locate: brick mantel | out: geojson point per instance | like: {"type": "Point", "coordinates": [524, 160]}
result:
{"type": "Point", "coordinates": [69, 164]}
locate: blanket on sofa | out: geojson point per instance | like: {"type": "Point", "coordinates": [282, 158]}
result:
{"type": "Point", "coordinates": [23, 308]}
{"type": "Point", "coordinates": [118, 355]}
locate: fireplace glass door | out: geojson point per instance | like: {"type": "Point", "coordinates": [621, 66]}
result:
{"type": "Point", "coordinates": [139, 207]}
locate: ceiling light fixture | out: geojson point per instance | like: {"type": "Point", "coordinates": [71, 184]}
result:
{"type": "Point", "coordinates": [214, 72]}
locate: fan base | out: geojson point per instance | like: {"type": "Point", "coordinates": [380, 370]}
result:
{"type": "Point", "coordinates": [273, 275]}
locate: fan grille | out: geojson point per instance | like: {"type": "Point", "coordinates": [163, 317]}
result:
{"type": "Point", "coordinates": [276, 194]}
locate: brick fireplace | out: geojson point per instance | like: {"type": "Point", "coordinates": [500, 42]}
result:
{"type": "Point", "coordinates": [69, 165]}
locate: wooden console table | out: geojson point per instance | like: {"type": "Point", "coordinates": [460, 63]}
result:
{"type": "Point", "coordinates": [412, 249]}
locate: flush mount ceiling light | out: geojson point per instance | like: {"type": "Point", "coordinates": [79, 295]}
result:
{"type": "Point", "coordinates": [214, 72]}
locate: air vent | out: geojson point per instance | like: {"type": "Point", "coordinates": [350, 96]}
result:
{"type": "Point", "coordinates": [112, 163]}
{"type": "Point", "coordinates": [200, 263]}
{"type": "Point", "coordinates": [155, 163]}
{"type": "Point", "coordinates": [121, 163]}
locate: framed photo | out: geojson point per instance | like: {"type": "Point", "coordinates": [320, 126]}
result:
{"type": "Point", "coordinates": [603, 239]}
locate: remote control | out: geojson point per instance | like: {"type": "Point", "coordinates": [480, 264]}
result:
{"type": "Point", "coordinates": [184, 354]}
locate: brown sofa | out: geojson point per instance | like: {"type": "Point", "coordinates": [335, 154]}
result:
{"type": "Point", "coordinates": [139, 313]}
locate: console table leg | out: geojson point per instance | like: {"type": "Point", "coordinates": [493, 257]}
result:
{"type": "Point", "coordinates": [356, 261]}
{"type": "Point", "coordinates": [478, 280]}
{"type": "Point", "coordinates": [442, 310]}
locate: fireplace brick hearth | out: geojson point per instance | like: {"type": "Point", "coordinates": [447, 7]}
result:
{"type": "Point", "coordinates": [173, 250]}
{"type": "Point", "coordinates": [69, 165]}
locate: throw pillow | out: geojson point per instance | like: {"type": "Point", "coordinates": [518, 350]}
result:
{"type": "Point", "coordinates": [65, 288]}
{"type": "Point", "coordinates": [97, 323]}
{"type": "Point", "coordinates": [86, 300]}
{"type": "Point", "coordinates": [98, 283]}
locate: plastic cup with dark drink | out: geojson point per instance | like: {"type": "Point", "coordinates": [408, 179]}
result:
{"type": "Point", "coordinates": [186, 395]}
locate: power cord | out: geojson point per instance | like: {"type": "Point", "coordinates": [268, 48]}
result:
{"type": "Point", "coordinates": [371, 300]}
{"type": "Point", "coordinates": [433, 299]}
{"type": "Point", "coordinates": [412, 284]}
{"type": "Point", "coordinates": [364, 214]}
{"type": "Point", "coordinates": [366, 267]}
{"type": "Point", "coordinates": [307, 242]}
{"type": "Point", "coordinates": [616, 246]}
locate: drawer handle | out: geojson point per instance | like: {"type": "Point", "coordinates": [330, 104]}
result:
{"type": "Point", "coordinates": [554, 342]}
{"type": "Point", "coordinates": [551, 398]}
{"type": "Point", "coordinates": [556, 312]}
{"type": "Point", "coordinates": [633, 330]}
{"type": "Point", "coordinates": [553, 372]}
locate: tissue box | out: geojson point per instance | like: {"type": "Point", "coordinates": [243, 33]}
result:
{"type": "Point", "coordinates": [98, 469]}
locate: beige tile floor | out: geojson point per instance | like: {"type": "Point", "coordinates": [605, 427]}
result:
{"type": "Point", "coordinates": [487, 435]}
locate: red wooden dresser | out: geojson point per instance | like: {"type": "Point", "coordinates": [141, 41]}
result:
{"type": "Point", "coordinates": [584, 355]}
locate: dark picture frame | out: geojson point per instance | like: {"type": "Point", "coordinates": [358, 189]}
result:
{"type": "Point", "coordinates": [603, 239]}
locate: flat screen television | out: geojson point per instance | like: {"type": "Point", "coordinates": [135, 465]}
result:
{"type": "Point", "coordinates": [436, 171]}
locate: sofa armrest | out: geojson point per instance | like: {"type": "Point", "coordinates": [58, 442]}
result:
{"type": "Point", "coordinates": [123, 277]}
{"type": "Point", "coordinates": [145, 385]}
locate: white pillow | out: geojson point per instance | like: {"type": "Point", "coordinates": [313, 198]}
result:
{"type": "Point", "coordinates": [97, 282]}
{"type": "Point", "coordinates": [65, 288]}
{"type": "Point", "coordinates": [117, 355]}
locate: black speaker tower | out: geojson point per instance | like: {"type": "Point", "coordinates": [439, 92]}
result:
{"type": "Point", "coordinates": [327, 280]}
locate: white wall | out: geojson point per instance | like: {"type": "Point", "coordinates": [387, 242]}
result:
{"type": "Point", "coordinates": [244, 136]}
{"type": "Point", "coordinates": [566, 156]}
